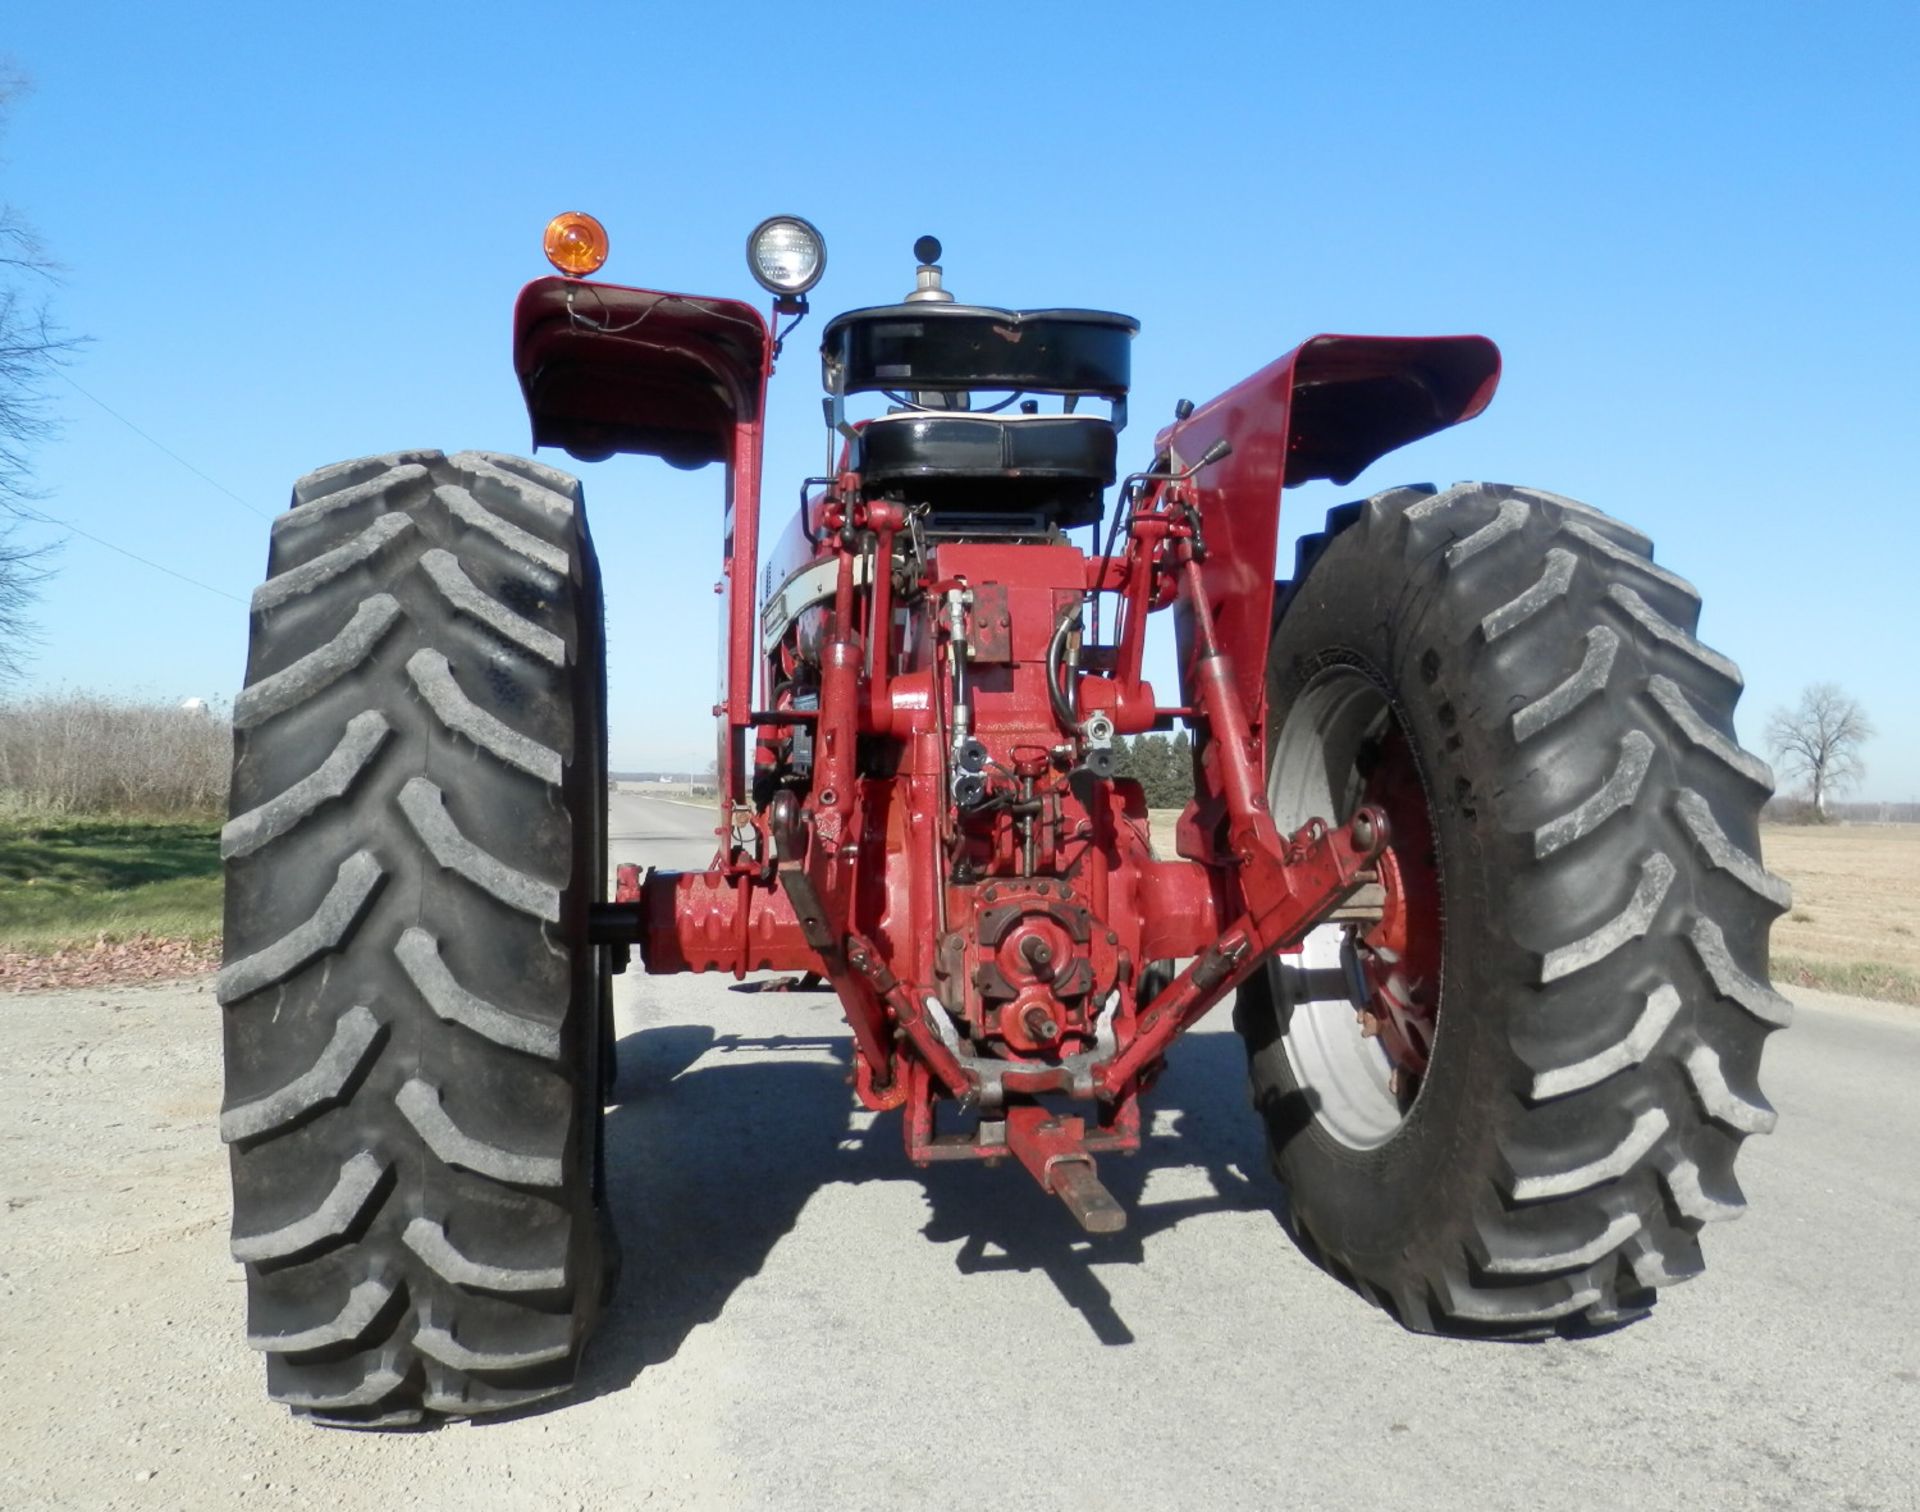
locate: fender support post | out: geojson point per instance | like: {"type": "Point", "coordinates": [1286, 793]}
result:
{"type": "Point", "coordinates": [1285, 889]}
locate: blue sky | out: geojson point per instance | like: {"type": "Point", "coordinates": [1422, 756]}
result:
{"type": "Point", "coordinates": [294, 234]}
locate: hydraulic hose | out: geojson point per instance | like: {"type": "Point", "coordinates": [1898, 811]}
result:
{"type": "Point", "coordinates": [1063, 709]}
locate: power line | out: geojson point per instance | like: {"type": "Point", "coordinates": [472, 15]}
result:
{"type": "Point", "coordinates": [171, 453]}
{"type": "Point", "coordinates": [47, 519]}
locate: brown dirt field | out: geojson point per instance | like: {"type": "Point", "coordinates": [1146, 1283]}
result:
{"type": "Point", "coordinates": [1856, 889]}
{"type": "Point", "coordinates": [1856, 892]}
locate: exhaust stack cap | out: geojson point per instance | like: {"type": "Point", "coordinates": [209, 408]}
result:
{"type": "Point", "coordinates": [927, 288]}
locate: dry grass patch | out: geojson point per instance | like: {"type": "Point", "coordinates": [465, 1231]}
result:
{"type": "Point", "coordinates": [1867, 979]}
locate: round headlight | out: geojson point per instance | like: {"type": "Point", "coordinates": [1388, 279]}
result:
{"type": "Point", "coordinates": [786, 255]}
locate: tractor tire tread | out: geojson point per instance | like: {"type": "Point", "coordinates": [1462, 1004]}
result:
{"type": "Point", "coordinates": [1628, 1020]}
{"type": "Point", "coordinates": [413, 1163]}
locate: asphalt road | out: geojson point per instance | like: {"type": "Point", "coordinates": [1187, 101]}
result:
{"type": "Point", "coordinates": [808, 1322]}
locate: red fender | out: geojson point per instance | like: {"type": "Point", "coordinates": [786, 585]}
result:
{"type": "Point", "coordinates": [609, 369]}
{"type": "Point", "coordinates": [1327, 409]}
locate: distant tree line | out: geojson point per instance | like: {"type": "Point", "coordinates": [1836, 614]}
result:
{"type": "Point", "coordinates": [1163, 766]}
{"type": "Point", "coordinates": [1792, 809]}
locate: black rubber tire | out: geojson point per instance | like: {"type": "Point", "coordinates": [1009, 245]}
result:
{"type": "Point", "coordinates": [1603, 995]}
{"type": "Point", "coordinates": [412, 1009]}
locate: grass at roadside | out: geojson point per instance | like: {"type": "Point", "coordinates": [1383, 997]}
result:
{"type": "Point", "coordinates": [70, 880]}
{"type": "Point", "coordinates": [1868, 979]}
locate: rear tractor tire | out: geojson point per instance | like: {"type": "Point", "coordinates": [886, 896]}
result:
{"type": "Point", "coordinates": [412, 1010]}
{"type": "Point", "coordinates": [1507, 1106]}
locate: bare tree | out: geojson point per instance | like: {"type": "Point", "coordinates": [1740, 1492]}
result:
{"type": "Point", "coordinates": [1818, 741]}
{"type": "Point", "coordinates": [30, 350]}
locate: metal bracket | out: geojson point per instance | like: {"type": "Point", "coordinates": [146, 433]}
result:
{"type": "Point", "coordinates": [994, 1078]}
{"type": "Point", "coordinates": [804, 587]}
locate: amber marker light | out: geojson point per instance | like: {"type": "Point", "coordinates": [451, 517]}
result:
{"type": "Point", "coordinates": [576, 243]}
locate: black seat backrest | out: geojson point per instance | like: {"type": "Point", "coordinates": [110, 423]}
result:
{"type": "Point", "coordinates": [1050, 466]}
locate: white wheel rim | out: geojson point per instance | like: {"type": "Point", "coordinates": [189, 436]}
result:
{"type": "Point", "coordinates": [1345, 1075]}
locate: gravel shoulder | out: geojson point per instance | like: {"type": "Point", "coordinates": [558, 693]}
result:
{"type": "Point", "coordinates": [806, 1322]}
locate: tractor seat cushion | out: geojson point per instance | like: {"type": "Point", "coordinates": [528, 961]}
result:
{"type": "Point", "coordinates": [918, 444]}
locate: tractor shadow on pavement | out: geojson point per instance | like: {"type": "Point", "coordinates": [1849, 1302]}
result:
{"type": "Point", "coordinates": [714, 1144]}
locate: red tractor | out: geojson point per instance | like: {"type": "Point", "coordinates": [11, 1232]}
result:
{"type": "Point", "coordinates": [1472, 846]}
